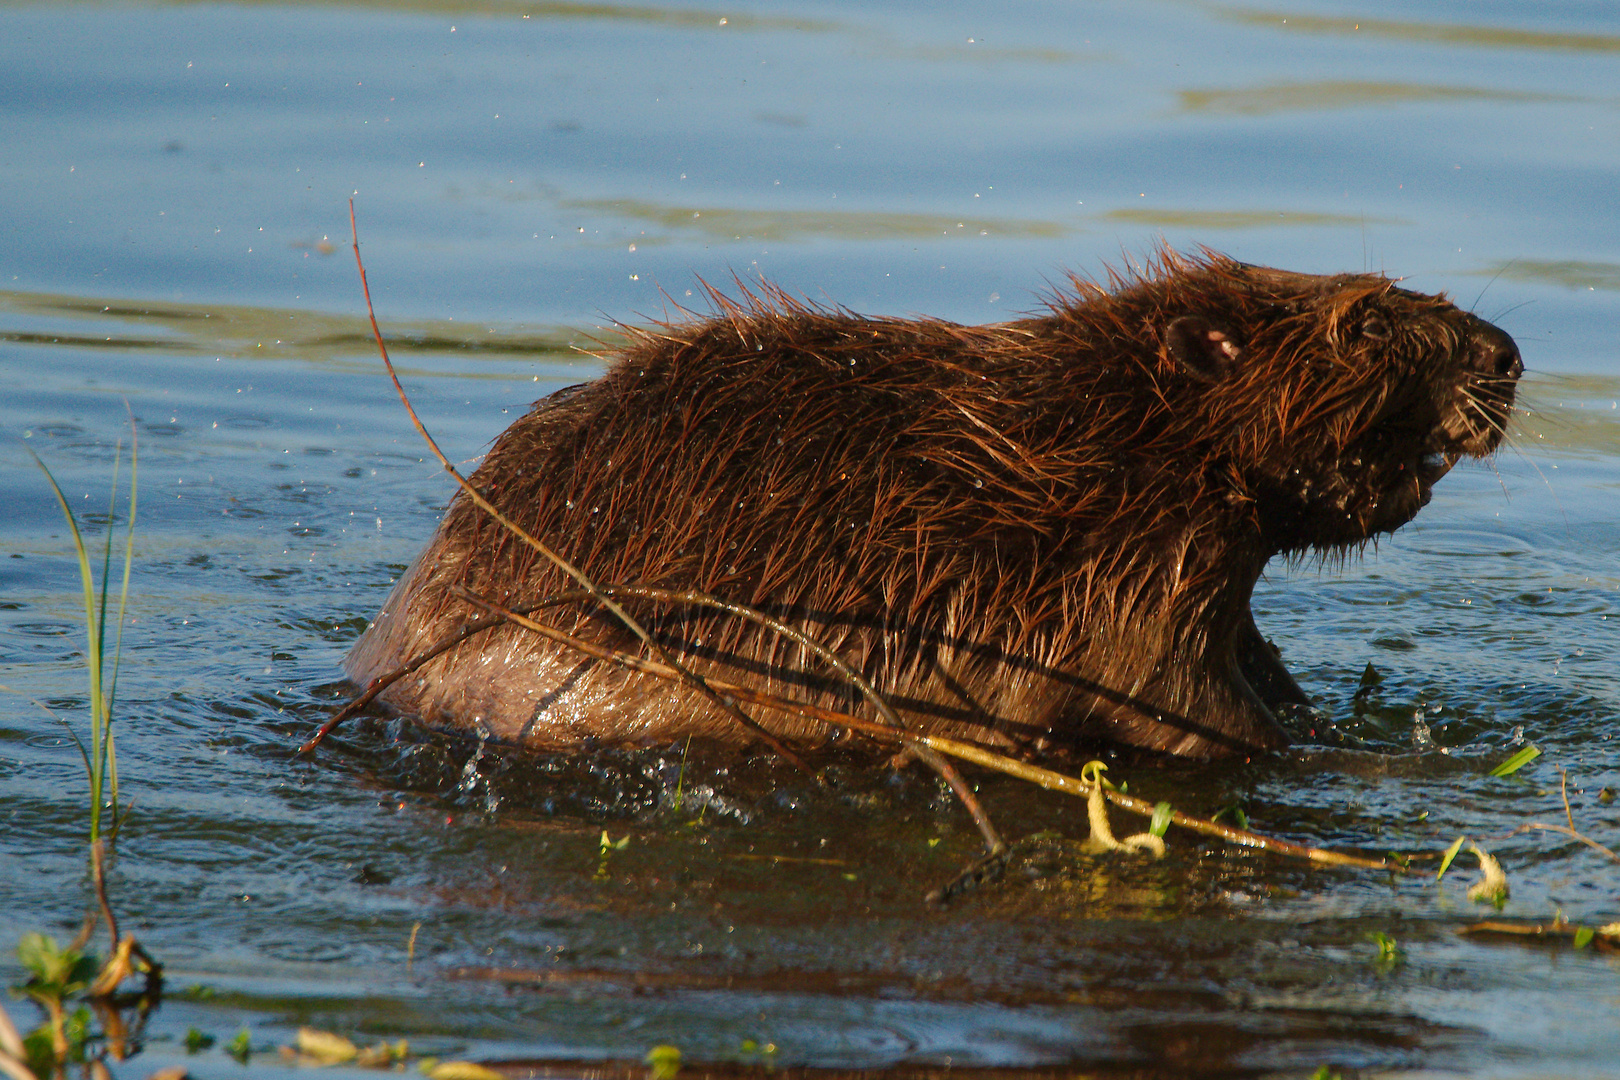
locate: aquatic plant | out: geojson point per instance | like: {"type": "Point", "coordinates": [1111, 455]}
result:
{"type": "Point", "coordinates": [59, 976]}
{"type": "Point", "coordinates": [101, 757]}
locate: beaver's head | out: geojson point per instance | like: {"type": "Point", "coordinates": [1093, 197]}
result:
{"type": "Point", "coordinates": [1332, 404]}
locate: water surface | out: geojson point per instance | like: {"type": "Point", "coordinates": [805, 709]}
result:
{"type": "Point", "coordinates": [173, 241]}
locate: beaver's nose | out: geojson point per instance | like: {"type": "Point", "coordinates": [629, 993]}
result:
{"type": "Point", "coordinates": [1491, 351]}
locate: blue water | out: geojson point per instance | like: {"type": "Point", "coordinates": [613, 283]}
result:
{"type": "Point", "coordinates": [174, 186]}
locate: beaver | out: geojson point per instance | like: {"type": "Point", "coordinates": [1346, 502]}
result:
{"type": "Point", "coordinates": [1032, 535]}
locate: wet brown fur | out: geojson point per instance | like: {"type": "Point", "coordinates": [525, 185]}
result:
{"type": "Point", "coordinates": [1038, 532]}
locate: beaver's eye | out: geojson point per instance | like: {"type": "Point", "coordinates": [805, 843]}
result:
{"type": "Point", "coordinates": [1375, 328]}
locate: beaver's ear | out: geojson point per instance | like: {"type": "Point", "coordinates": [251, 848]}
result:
{"type": "Point", "coordinates": [1203, 351]}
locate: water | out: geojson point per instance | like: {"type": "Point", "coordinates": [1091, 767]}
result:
{"type": "Point", "coordinates": [173, 240]}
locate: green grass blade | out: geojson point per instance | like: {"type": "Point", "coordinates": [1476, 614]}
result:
{"type": "Point", "coordinates": [106, 549]}
{"type": "Point", "coordinates": [1160, 824]}
{"type": "Point", "coordinates": [123, 603]}
{"type": "Point", "coordinates": [1518, 761]}
{"type": "Point", "coordinates": [1451, 854]}
{"type": "Point", "coordinates": [93, 633]}
{"type": "Point", "coordinates": [74, 735]}
{"type": "Point", "coordinates": [101, 722]}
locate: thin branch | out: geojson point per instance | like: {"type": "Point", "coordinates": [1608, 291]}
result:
{"type": "Point", "coordinates": [1602, 939]}
{"type": "Point", "coordinates": [1055, 781]}
{"type": "Point", "coordinates": [1563, 790]}
{"type": "Point", "coordinates": [382, 682]}
{"type": "Point", "coordinates": [1571, 833]}
{"type": "Point", "coordinates": [792, 633]}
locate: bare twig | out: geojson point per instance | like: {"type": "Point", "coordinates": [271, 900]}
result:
{"type": "Point", "coordinates": [1605, 939]}
{"type": "Point", "coordinates": [787, 630]}
{"type": "Point", "coordinates": [382, 682]}
{"type": "Point", "coordinates": [1571, 833]}
{"type": "Point", "coordinates": [1563, 791]}
{"type": "Point", "coordinates": [1054, 781]}
{"type": "Point", "coordinates": [1566, 830]}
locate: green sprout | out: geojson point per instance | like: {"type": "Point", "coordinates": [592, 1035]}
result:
{"type": "Point", "coordinates": [101, 758]}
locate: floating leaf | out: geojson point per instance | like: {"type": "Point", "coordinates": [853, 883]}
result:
{"type": "Point", "coordinates": [325, 1047]}
{"type": "Point", "coordinates": [1239, 818]}
{"type": "Point", "coordinates": [1525, 756]}
{"type": "Point", "coordinates": [1160, 822]}
{"type": "Point", "coordinates": [384, 1053]}
{"type": "Point", "coordinates": [462, 1070]}
{"type": "Point", "coordinates": [1451, 853]}
{"type": "Point", "coordinates": [665, 1062]}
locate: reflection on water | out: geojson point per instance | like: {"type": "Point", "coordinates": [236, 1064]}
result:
{"type": "Point", "coordinates": [239, 331]}
{"type": "Point", "coordinates": [1233, 219]}
{"type": "Point", "coordinates": [733, 223]}
{"type": "Point", "coordinates": [1489, 37]}
{"type": "Point", "coordinates": [675, 17]}
{"type": "Point", "coordinates": [1570, 273]}
{"type": "Point", "coordinates": [1346, 94]}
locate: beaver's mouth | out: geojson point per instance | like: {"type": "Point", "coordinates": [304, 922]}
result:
{"type": "Point", "coordinates": [1431, 466]}
{"type": "Point", "coordinates": [1471, 425]}
{"type": "Point", "coordinates": [1414, 481]}
{"type": "Point", "coordinates": [1386, 469]}
{"type": "Point", "coordinates": [1460, 435]}
{"type": "Point", "coordinates": [1392, 477]}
